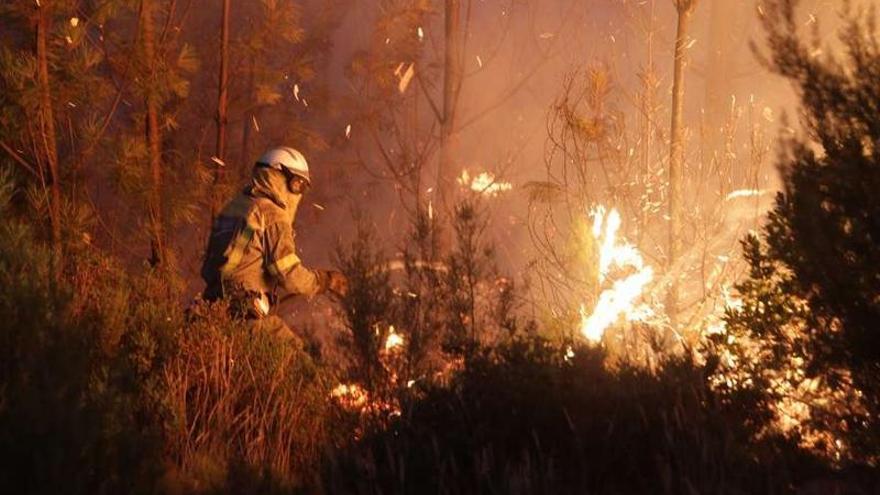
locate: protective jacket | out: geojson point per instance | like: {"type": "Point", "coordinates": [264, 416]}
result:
{"type": "Point", "coordinates": [251, 251]}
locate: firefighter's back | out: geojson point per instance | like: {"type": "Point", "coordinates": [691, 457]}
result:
{"type": "Point", "coordinates": [235, 257]}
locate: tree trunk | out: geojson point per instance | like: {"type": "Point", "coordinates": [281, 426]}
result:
{"type": "Point", "coordinates": [153, 136]}
{"type": "Point", "coordinates": [47, 129]}
{"type": "Point", "coordinates": [247, 123]}
{"type": "Point", "coordinates": [676, 152]}
{"type": "Point", "coordinates": [222, 109]}
{"type": "Point", "coordinates": [446, 172]}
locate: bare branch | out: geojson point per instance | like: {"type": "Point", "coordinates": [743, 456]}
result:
{"type": "Point", "coordinates": [434, 108]}
{"type": "Point", "coordinates": [18, 159]}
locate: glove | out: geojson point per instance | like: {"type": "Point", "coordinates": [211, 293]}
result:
{"type": "Point", "coordinates": [337, 283]}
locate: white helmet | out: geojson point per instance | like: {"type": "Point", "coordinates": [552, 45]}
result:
{"type": "Point", "coordinates": [289, 159]}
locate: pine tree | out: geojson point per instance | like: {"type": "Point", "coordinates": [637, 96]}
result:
{"type": "Point", "coordinates": [54, 102]}
{"type": "Point", "coordinates": [812, 294]}
{"type": "Point", "coordinates": [149, 63]}
{"type": "Point", "coordinates": [275, 95]}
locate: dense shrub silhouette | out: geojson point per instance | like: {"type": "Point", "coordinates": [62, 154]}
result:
{"type": "Point", "coordinates": [525, 419]}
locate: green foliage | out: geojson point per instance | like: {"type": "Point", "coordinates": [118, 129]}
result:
{"type": "Point", "coordinates": [79, 88]}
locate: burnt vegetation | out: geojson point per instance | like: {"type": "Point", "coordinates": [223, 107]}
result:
{"type": "Point", "coordinates": [440, 371]}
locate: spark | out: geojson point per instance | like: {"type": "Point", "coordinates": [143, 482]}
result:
{"type": "Point", "coordinates": [348, 131]}
{"type": "Point", "coordinates": [479, 61]}
{"type": "Point", "coordinates": [256, 124]}
{"type": "Point", "coordinates": [218, 161]}
{"type": "Point", "coordinates": [296, 91]}
{"type": "Point", "coordinates": [407, 77]}
{"type": "Point", "coordinates": [350, 396]}
{"type": "Point", "coordinates": [74, 21]}
{"type": "Point", "coordinates": [421, 34]}
{"type": "Point", "coordinates": [745, 193]}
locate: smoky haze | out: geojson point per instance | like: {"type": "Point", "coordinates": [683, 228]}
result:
{"type": "Point", "coordinates": [294, 80]}
{"type": "Point", "coordinates": [517, 58]}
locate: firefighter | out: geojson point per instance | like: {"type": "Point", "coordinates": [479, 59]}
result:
{"type": "Point", "coordinates": [251, 252]}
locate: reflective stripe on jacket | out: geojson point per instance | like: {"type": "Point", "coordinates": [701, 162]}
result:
{"type": "Point", "coordinates": [252, 248]}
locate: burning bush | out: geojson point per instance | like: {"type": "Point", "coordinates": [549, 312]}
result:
{"type": "Point", "coordinates": [520, 414]}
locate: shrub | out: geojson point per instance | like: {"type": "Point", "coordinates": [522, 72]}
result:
{"type": "Point", "coordinates": [108, 385]}
{"type": "Point", "coordinates": [245, 409]}
{"type": "Point", "coordinates": [66, 423]}
{"type": "Point", "coordinates": [527, 419]}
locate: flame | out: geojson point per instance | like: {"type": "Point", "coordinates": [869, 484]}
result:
{"type": "Point", "coordinates": [354, 398]}
{"type": "Point", "coordinates": [394, 339]}
{"type": "Point", "coordinates": [350, 396]}
{"type": "Point", "coordinates": [619, 300]}
{"type": "Point", "coordinates": [484, 183]}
